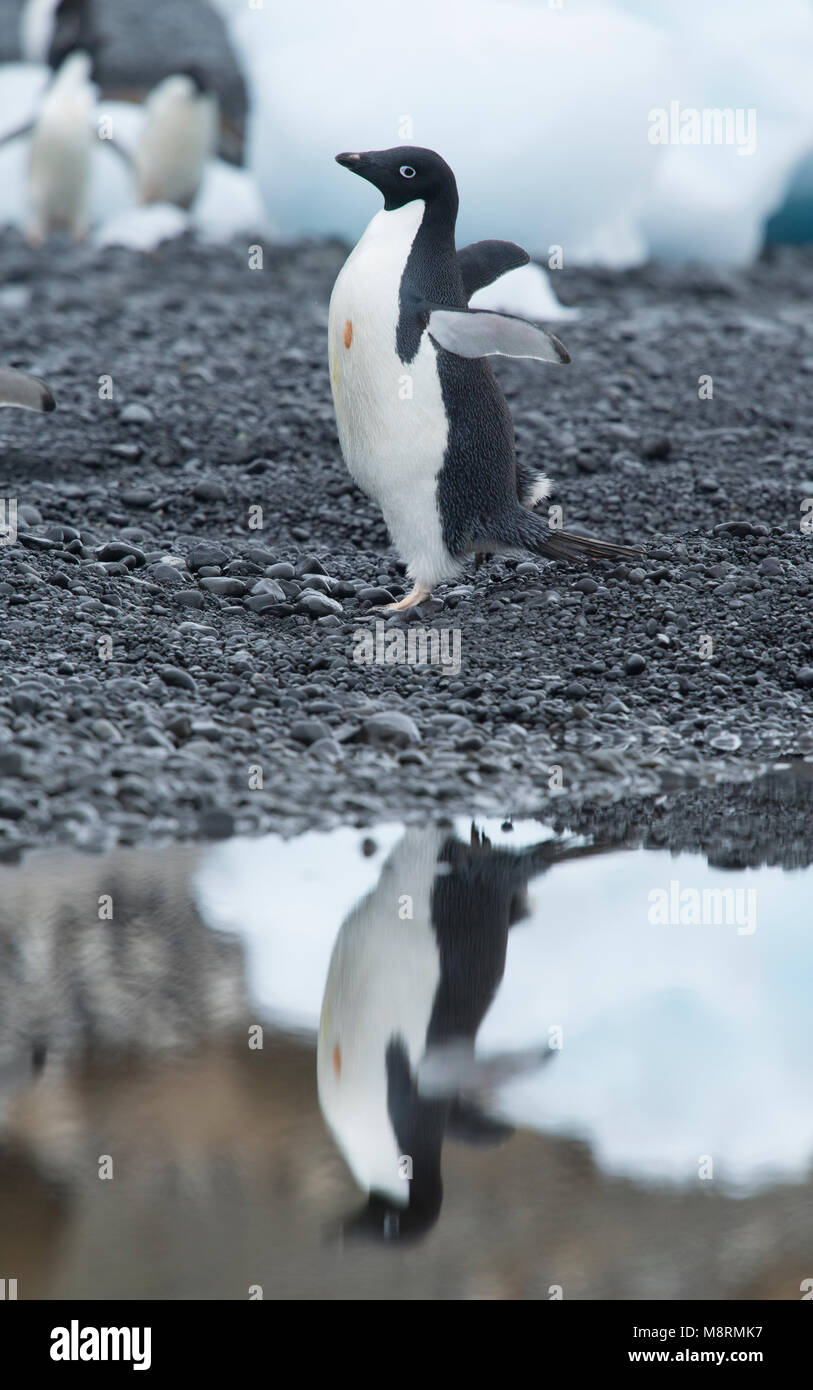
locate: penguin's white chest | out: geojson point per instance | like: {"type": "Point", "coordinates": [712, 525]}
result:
{"type": "Point", "coordinates": [59, 161]}
{"type": "Point", "coordinates": [381, 987]}
{"type": "Point", "coordinates": [391, 417]}
{"type": "Point", "coordinates": [177, 138]}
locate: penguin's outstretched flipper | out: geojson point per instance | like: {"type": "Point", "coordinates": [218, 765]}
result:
{"type": "Point", "coordinates": [27, 392]}
{"type": "Point", "coordinates": [483, 333]}
{"type": "Point", "coordinates": [483, 262]}
{"type": "Point", "coordinates": [16, 134]}
{"type": "Point", "coordinates": [450, 1069]}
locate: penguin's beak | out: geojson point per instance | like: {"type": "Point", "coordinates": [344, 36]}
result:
{"type": "Point", "coordinates": [369, 165]}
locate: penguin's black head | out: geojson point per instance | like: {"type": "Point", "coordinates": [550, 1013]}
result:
{"type": "Point", "coordinates": [74, 28]}
{"type": "Point", "coordinates": [197, 77]}
{"type": "Point", "coordinates": [383, 1220]}
{"type": "Point", "coordinates": [404, 174]}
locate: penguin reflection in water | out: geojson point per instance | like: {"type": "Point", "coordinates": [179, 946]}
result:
{"type": "Point", "coordinates": [424, 427]}
{"type": "Point", "coordinates": [403, 1002]}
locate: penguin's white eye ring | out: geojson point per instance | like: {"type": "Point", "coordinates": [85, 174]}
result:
{"type": "Point", "coordinates": [406, 171]}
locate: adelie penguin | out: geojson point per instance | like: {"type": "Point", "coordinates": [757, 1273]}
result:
{"type": "Point", "coordinates": [178, 136]}
{"type": "Point", "coordinates": [59, 161]}
{"type": "Point", "coordinates": [404, 999]}
{"type": "Point", "coordinates": [424, 427]}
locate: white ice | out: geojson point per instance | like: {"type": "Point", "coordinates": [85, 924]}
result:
{"type": "Point", "coordinates": [541, 109]}
{"type": "Point", "coordinates": [527, 291]}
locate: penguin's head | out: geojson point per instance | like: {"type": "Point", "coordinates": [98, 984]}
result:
{"type": "Point", "coordinates": [404, 174]}
{"type": "Point", "coordinates": [73, 30]}
{"type": "Point", "coordinates": [201, 85]}
{"type": "Point", "coordinates": [76, 70]}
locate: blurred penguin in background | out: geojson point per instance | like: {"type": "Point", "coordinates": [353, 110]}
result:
{"type": "Point", "coordinates": [179, 135]}
{"type": "Point", "coordinates": [61, 34]}
{"type": "Point", "coordinates": [62, 144]}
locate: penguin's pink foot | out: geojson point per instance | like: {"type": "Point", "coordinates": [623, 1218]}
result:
{"type": "Point", "coordinates": [418, 595]}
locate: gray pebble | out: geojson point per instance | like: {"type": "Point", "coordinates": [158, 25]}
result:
{"type": "Point", "coordinates": [208, 490]}
{"type": "Point", "coordinates": [204, 555]}
{"type": "Point", "coordinates": [393, 727]}
{"type": "Point", "coordinates": [224, 587]}
{"type": "Point", "coordinates": [174, 676]}
{"type": "Point", "coordinates": [135, 413]}
{"type": "Point", "coordinates": [309, 731]}
{"type": "Point", "coordinates": [216, 824]}
{"type": "Point", "coordinates": [317, 605]}
{"type": "Point", "coordinates": [166, 575]}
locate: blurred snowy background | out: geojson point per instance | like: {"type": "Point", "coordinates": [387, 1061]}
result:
{"type": "Point", "coordinates": [542, 107]}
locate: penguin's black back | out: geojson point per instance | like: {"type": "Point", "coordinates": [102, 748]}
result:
{"type": "Point", "coordinates": [474, 904]}
{"type": "Point", "coordinates": [478, 894]}
{"type": "Point", "coordinates": [477, 483]}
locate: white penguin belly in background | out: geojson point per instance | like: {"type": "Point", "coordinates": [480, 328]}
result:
{"type": "Point", "coordinates": [391, 418]}
{"type": "Point", "coordinates": [179, 135]}
{"type": "Point", "coordinates": [59, 160]}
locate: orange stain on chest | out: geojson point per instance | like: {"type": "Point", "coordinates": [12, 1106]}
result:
{"type": "Point", "coordinates": [348, 332]}
{"type": "Point", "coordinates": [337, 1061]}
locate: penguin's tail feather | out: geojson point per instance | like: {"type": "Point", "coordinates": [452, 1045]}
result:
{"type": "Point", "coordinates": [537, 537]}
{"type": "Point", "coordinates": [537, 859]}
{"type": "Point", "coordinates": [564, 545]}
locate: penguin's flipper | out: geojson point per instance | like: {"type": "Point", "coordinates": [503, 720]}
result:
{"type": "Point", "coordinates": [483, 262]}
{"type": "Point", "coordinates": [27, 392]}
{"type": "Point", "coordinates": [451, 1069]}
{"type": "Point", "coordinates": [16, 134]}
{"type": "Point", "coordinates": [482, 333]}
{"type": "Point", "coordinates": [467, 1124]}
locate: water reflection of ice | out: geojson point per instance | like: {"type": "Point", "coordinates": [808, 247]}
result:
{"type": "Point", "coordinates": [287, 899]}
{"type": "Point", "coordinates": [679, 1041]}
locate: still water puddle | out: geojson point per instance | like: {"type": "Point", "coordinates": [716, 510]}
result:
{"type": "Point", "coordinates": [423, 1062]}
